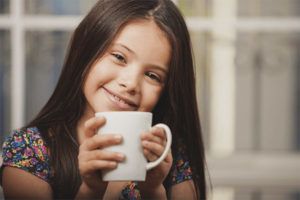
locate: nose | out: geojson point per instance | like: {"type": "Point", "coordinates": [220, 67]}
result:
{"type": "Point", "coordinates": [129, 79]}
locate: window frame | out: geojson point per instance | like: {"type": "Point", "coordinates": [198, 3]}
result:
{"type": "Point", "coordinates": [232, 168]}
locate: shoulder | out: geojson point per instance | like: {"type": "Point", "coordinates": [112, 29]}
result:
{"type": "Point", "coordinates": [26, 149]}
{"type": "Point", "coordinates": [27, 141]}
{"type": "Point", "coordinates": [17, 134]}
{"type": "Point", "coordinates": [181, 169]}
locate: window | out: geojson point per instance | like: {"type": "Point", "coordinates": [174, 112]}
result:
{"type": "Point", "coordinates": [248, 83]}
{"type": "Point", "coordinates": [34, 34]}
{"type": "Point", "coordinates": [5, 74]}
{"type": "Point", "coordinates": [247, 57]}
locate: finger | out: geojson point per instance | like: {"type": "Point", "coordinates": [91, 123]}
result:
{"type": "Point", "coordinates": [151, 138]}
{"type": "Point", "coordinates": [100, 141]}
{"type": "Point", "coordinates": [169, 157]}
{"type": "Point", "coordinates": [101, 155]}
{"type": "Point", "coordinates": [159, 132]}
{"type": "Point", "coordinates": [156, 135]}
{"type": "Point", "coordinates": [91, 125]}
{"type": "Point", "coordinates": [150, 156]}
{"type": "Point", "coordinates": [155, 148]}
{"type": "Point", "coordinates": [94, 165]}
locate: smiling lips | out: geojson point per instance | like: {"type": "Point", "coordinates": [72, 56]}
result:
{"type": "Point", "coordinates": [120, 102]}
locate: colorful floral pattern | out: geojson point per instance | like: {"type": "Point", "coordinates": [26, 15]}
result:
{"type": "Point", "coordinates": [181, 169]}
{"type": "Point", "coordinates": [25, 149]}
{"type": "Point", "coordinates": [130, 191]}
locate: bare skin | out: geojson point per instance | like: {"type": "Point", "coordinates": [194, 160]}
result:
{"type": "Point", "coordinates": [20, 184]}
{"type": "Point", "coordinates": [130, 76]}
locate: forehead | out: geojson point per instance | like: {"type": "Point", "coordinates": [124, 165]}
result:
{"type": "Point", "coordinates": [146, 39]}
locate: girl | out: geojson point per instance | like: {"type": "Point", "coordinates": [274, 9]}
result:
{"type": "Point", "coordinates": [126, 55]}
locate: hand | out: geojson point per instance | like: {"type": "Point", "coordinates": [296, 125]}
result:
{"type": "Point", "coordinates": [154, 143]}
{"type": "Point", "coordinates": [92, 157]}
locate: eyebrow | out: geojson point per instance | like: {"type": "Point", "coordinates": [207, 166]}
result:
{"type": "Point", "coordinates": [131, 51]}
{"type": "Point", "coordinates": [160, 68]}
{"type": "Point", "coordinates": [124, 46]}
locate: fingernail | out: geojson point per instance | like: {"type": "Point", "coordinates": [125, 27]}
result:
{"type": "Point", "coordinates": [118, 138]}
{"type": "Point", "coordinates": [145, 143]}
{"type": "Point", "coordinates": [121, 156]}
{"type": "Point", "coordinates": [155, 128]}
{"type": "Point", "coordinates": [100, 117]}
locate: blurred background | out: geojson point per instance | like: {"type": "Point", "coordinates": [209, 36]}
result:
{"type": "Point", "coordinates": [247, 55]}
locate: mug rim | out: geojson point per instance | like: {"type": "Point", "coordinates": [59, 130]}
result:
{"type": "Point", "coordinates": [124, 112]}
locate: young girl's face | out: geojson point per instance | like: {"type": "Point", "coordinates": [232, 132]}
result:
{"type": "Point", "coordinates": [132, 73]}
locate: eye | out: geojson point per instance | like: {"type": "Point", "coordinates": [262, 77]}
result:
{"type": "Point", "coordinates": [154, 77]}
{"type": "Point", "coordinates": [119, 57]}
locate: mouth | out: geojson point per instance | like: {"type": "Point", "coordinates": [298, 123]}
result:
{"type": "Point", "coordinates": [119, 101]}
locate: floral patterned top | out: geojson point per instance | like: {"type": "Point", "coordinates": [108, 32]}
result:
{"type": "Point", "coordinates": [27, 150]}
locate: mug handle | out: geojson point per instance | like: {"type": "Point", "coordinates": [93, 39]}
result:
{"type": "Point", "coordinates": [153, 164]}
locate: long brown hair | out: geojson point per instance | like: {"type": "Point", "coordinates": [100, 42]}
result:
{"type": "Point", "coordinates": [177, 106]}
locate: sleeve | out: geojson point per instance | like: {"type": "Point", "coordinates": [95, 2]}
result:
{"type": "Point", "coordinates": [181, 169]}
{"type": "Point", "coordinates": [130, 191]}
{"type": "Point", "coordinates": [25, 149]}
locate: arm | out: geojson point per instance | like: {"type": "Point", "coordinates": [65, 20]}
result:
{"type": "Point", "coordinates": [92, 158]}
{"type": "Point", "coordinates": [154, 193]}
{"type": "Point", "coordinates": [154, 143]}
{"type": "Point", "coordinates": [112, 191]}
{"type": "Point", "coordinates": [20, 184]}
{"type": "Point", "coordinates": [25, 170]}
{"type": "Point", "coordinates": [85, 192]}
{"type": "Point", "coordinates": [183, 190]}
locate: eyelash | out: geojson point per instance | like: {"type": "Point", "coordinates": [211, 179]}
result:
{"type": "Point", "coordinates": [154, 77]}
{"type": "Point", "coordinates": [119, 57]}
{"type": "Point", "coordinates": [149, 74]}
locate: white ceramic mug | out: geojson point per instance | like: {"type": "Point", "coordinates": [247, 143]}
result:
{"type": "Point", "coordinates": [131, 125]}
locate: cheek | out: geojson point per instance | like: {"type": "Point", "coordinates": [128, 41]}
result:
{"type": "Point", "coordinates": [150, 99]}
{"type": "Point", "coordinates": [99, 75]}
{"type": "Point", "coordinates": [91, 87]}
{"type": "Point", "coordinates": [90, 84]}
